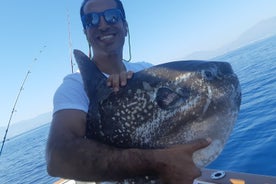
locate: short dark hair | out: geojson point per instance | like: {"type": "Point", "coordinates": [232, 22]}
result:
{"type": "Point", "coordinates": [119, 6]}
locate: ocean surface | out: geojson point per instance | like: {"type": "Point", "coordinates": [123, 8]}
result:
{"type": "Point", "coordinates": [251, 147]}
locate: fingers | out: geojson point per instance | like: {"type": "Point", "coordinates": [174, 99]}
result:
{"type": "Point", "coordinates": [117, 80]}
{"type": "Point", "coordinates": [199, 144]}
{"type": "Point", "coordinates": [123, 78]}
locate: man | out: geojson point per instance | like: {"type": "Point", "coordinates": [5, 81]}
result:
{"type": "Point", "coordinates": [69, 154]}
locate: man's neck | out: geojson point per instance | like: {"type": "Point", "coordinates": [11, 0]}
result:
{"type": "Point", "coordinates": [109, 64]}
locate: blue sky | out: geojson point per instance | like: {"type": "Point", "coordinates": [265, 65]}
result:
{"type": "Point", "coordinates": [34, 37]}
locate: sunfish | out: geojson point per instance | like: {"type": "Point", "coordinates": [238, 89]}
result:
{"type": "Point", "coordinates": [167, 104]}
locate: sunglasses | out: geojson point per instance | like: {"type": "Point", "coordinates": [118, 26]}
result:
{"type": "Point", "coordinates": [111, 16]}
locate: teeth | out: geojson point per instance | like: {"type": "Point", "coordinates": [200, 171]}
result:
{"type": "Point", "coordinates": [106, 37]}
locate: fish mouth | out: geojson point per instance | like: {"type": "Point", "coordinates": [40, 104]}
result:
{"type": "Point", "coordinates": [167, 98]}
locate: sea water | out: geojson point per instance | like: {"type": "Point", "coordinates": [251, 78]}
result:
{"type": "Point", "coordinates": [23, 159]}
{"type": "Point", "coordinates": [251, 147]}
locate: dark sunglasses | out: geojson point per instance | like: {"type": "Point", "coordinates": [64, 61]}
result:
{"type": "Point", "coordinates": [111, 16]}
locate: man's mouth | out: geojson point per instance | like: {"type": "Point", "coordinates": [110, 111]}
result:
{"type": "Point", "coordinates": [107, 37]}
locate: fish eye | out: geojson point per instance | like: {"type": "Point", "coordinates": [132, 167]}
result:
{"type": "Point", "coordinates": [209, 75]}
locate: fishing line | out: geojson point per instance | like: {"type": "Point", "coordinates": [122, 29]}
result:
{"type": "Point", "coordinates": [16, 100]}
{"type": "Point", "coordinates": [129, 46]}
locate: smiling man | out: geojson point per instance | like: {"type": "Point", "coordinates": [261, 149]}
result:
{"type": "Point", "coordinates": [69, 154]}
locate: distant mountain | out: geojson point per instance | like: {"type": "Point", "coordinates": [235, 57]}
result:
{"type": "Point", "coordinates": [26, 125]}
{"type": "Point", "coordinates": [261, 30]}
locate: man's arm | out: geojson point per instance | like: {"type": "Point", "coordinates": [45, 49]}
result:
{"type": "Point", "coordinates": [70, 155]}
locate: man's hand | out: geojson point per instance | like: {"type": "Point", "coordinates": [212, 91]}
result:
{"type": "Point", "coordinates": [175, 164]}
{"type": "Point", "coordinates": [119, 80]}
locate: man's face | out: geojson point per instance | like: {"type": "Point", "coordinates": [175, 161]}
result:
{"type": "Point", "coordinates": [107, 38]}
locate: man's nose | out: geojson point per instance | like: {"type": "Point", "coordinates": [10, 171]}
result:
{"type": "Point", "coordinates": [103, 24]}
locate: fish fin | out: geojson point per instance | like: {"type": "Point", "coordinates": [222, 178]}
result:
{"type": "Point", "coordinates": [92, 77]}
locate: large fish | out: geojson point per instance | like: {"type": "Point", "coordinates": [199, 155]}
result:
{"type": "Point", "coordinates": [167, 104]}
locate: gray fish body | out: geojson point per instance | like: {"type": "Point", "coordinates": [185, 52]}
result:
{"type": "Point", "coordinates": [167, 104]}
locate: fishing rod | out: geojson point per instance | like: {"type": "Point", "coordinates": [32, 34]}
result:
{"type": "Point", "coordinates": [16, 100]}
{"type": "Point", "coordinates": [70, 42]}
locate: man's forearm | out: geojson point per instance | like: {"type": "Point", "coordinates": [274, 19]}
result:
{"type": "Point", "coordinates": [87, 160]}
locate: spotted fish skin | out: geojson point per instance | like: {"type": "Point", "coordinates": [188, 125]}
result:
{"type": "Point", "coordinates": [167, 104]}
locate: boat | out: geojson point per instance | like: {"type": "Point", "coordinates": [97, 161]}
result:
{"type": "Point", "coordinates": [211, 176]}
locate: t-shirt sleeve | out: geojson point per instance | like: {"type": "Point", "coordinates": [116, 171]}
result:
{"type": "Point", "coordinates": [71, 94]}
